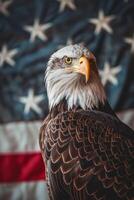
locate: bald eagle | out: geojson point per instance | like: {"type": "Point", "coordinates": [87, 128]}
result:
{"type": "Point", "coordinates": [88, 152]}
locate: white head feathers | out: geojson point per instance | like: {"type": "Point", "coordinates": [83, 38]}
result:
{"type": "Point", "coordinates": [70, 86]}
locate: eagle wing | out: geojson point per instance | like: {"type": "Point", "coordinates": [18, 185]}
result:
{"type": "Point", "coordinates": [88, 154]}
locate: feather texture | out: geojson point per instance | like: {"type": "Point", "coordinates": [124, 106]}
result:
{"type": "Point", "coordinates": [88, 155]}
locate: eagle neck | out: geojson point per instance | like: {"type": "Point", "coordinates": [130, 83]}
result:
{"type": "Point", "coordinates": [63, 107]}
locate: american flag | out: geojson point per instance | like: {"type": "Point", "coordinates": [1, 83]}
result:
{"type": "Point", "coordinates": [30, 31]}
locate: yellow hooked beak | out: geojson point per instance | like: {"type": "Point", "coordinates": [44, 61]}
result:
{"type": "Point", "coordinates": [83, 67]}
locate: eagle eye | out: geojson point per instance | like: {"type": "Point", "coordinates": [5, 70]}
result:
{"type": "Point", "coordinates": [68, 60]}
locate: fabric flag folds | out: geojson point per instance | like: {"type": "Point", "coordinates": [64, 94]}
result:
{"type": "Point", "coordinates": [30, 31]}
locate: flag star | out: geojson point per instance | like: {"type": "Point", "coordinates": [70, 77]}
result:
{"type": "Point", "coordinates": [102, 22]}
{"type": "Point", "coordinates": [66, 3]}
{"type": "Point", "coordinates": [37, 30]}
{"type": "Point", "coordinates": [109, 74]}
{"type": "Point", "coordinates": [7, 56]}
{"type": "Point", "coordinates": [131, 42]}
{"type": "Point", "coordinates": [4, 6]}
{"type": "Point", "coordinates": [31, 102]}
{"type": "Point", "coordinates": [68, 42]}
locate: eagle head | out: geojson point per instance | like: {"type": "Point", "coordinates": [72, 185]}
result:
{"type": "Point", "coordinates": [72, 75]}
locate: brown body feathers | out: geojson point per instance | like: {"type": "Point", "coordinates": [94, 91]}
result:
{"type": "Point", "coordinates": [88, 155]}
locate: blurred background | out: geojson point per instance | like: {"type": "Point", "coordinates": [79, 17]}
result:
{"type": "Point", "coordinates": [30, 31]}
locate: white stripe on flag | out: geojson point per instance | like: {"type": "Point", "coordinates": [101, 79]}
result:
{"type": "Point", "coordinates": [19, 137]}
{"type": "Point", "coordinates": [24, 136]}
{"type": "Point", "coordinates": [127, 117]}
{"type": "Point", "coordinates": [24, 191]}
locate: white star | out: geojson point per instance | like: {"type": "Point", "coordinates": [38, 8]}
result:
{"type": "Point", "coordinates": [6, 56]}
{"type": "Point", "coordinates": [31, 102]}
{"type": "Point", "coordinates": [102, 22]}
{"type": "Point", "coordinates": [69, 42]}
{"type": "Point", "coordinates": [66, 3]}
{"type": "Point", "coordinates": [4, 6]}
{"type": "Point", "coordinates": [131, 42]}
{"type": "Point", "coordinates": [109, 74]}
{"type": "Point", "coordinates": [37, 30]}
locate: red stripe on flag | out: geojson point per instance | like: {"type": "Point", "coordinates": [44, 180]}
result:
{"type": "Point", "coordinates": [21, 167]}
